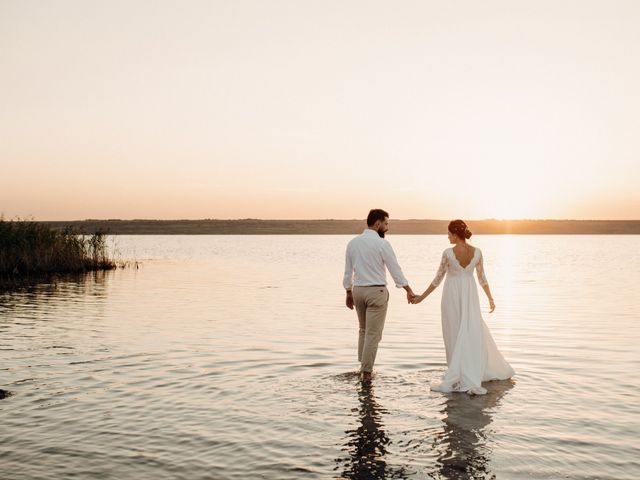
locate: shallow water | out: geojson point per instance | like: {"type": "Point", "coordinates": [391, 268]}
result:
{"type": "Point", "coordinates": [233, 357]}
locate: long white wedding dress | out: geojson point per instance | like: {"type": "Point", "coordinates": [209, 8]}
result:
{"type": "Point", "coordinates": [472, 354]}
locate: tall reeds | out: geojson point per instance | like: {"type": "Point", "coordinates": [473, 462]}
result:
{"type": "Point", "coordinates": [29, 248]}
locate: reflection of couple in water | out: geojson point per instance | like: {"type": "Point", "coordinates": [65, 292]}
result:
{"type": "Point", "coordinates": [462, 446]}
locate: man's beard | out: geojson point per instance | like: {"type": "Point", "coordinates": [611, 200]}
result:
{"type": "Point", "coordinates": [381, 233]}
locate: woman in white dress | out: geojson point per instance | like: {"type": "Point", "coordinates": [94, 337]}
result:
{"type": "Point", "coordinates": [472, 355]}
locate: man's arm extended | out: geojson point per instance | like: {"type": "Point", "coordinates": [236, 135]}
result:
{"type": "Point", "coordinates": [391, 262]}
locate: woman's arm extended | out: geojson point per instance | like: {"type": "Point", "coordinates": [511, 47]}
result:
{"type": "Point", "coordinates": [487, 290]}
{"type": "Point", "coordinates": [482, 280]}
{"type": "Point", "coordinates": [442, 270]}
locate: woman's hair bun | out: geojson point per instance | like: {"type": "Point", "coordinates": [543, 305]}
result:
{"type": "Point", "coordinates": [459, 228]}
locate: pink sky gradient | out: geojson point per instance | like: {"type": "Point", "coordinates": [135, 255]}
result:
{"type": "Point", "coordinates": [300, 109]}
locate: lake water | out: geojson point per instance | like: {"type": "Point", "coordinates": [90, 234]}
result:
{"type": "Point", "coordinates": [233, 357]}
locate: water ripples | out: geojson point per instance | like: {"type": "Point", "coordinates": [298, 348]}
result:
{"type": "Point", "coordinates": [234, 358]}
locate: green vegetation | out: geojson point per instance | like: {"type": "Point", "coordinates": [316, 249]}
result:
{"type": "Point", "coordinates": [29, 248]}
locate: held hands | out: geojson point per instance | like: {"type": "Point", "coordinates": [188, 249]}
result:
{"type": "Point", "coordinates": [417, 299]}
{"type": "Point", "coordinates": [410, 296]}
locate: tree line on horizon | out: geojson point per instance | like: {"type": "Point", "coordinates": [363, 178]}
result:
{"type": "Point", "coordinates": [334, 226]}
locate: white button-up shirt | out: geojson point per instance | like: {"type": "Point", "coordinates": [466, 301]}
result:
{"type": "Point", "coordinates": [365, 261]}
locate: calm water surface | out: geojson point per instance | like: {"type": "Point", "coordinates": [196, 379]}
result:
{"type": "Point", "coordinates": [233, 357]}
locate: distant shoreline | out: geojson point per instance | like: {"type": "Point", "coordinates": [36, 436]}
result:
{"type": "Point", "coordinates": [345, 227]}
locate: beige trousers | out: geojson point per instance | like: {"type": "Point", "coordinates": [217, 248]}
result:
{"type": "Point", "coordinates": [371, 305]}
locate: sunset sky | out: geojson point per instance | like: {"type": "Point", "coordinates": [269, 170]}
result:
{"type": "Point", "coordinates": [320, 109]}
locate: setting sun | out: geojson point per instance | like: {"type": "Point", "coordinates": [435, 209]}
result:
{"type": "Point", "coordinates": [514, 112]}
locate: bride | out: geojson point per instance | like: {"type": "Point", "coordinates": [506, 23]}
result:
{"type": "Point", "coordinates": [472, 355]}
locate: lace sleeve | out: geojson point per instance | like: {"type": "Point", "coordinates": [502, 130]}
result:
{"type": "Point", "coordinates": [441, 270]}
{"type": "Point", "coordinates": [482, 279]}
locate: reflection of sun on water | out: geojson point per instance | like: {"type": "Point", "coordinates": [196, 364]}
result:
{"type": "Point", "coordinates": [507, 250]}
{"type": "Point", "coordinates": [507, 256]}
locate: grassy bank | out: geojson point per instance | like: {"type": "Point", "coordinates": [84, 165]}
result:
{"type": "Point", "coordinates": [30, 248]}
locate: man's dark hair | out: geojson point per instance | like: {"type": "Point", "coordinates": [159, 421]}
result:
{"type": "Point", "coordinates": [375, 215]}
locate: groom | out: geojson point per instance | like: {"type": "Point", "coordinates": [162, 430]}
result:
{"type": "Point", "coordinates": [365, 281]}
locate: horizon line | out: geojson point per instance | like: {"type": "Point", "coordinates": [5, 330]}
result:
{"type": "Point", "coordinates": [328, 219]}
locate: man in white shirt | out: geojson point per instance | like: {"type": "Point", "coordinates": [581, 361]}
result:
{"type": "Point", "coordinates": [365, 281]}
